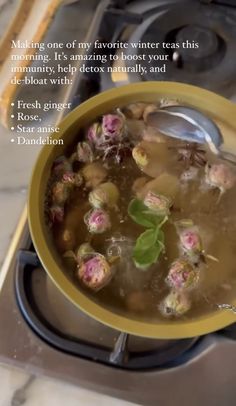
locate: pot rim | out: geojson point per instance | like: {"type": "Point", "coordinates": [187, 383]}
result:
{"type": "Point", "coordinates": [168, 329]}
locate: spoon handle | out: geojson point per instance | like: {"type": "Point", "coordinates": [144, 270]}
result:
{"type": "Point", "coordinates": [227, 156]}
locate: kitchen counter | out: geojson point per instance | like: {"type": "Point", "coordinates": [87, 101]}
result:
{"type": "Point", "coordinates": [20, 387]}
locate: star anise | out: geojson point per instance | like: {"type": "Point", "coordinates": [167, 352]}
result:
{"type": "Point", "coordinates": [191, 154]}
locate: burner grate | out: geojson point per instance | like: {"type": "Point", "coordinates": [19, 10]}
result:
{"type": "Point", "coordinates": [120, 355]}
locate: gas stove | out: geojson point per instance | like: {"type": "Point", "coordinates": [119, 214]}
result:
{"type": "Point", "coordinates": [211, 65]}
{"type": "Point", "coordinates": [41, 330]}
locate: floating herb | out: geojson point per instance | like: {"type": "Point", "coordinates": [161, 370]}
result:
{"type": "Point", "coordinates": [150, 243]}
{"type": "Point", "coordinates": [142, 215]}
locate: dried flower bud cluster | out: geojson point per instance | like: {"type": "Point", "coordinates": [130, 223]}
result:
{"type": "Point", "coordinates": [97, 221]}
{"type": "Point", "coordinates": [94, 271]}
{"type": "Point", "coordinates": [158, 203]}
{"type": "Point", "coordinates": [104, 195]}
{"type": "Point", "coordinates": [220, 176]}
{"type": "Point", "coordinates": [176, 303]}
{"type": "Point", "coordinates": [190, 240]}
{"type": "Point", "coordinates": [182, 275]}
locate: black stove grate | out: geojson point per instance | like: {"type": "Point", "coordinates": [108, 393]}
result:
{"type": "Point", "coordinates": [175, 353]}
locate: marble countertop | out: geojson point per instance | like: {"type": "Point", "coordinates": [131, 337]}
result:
{"type": "Point", "coordinates": [19, 387]}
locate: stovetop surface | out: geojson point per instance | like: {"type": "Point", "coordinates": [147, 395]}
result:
{"type": "Point", "coordinates": [204, 366]}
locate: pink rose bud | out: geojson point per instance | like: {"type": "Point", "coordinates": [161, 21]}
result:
{"type": "Point", "coordinates": [158, 203]}
{"type": "Point", "coordinates": [220, 176]}
{"type": "Point", "coordinates": [94, 271]}
{"type": "Point", "coordinates": [60, 166]}
{"type": "Point", "coordinates": [97, 221]}
{"type": "Point", "coordinates": [190, 240]}
{"type": "Point", "coordinates": [68, 177]}
{"type": "Point", "coordinates": [56, 213]}
{"type": "Point", "coordinates": [112, 125]}
{"type": "Point", "coordinates": [94, 134]}
{"type": "Point", "coordinates": [182, 275]}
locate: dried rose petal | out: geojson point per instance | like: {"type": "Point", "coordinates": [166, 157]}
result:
{"type": "Point", "coordinates": [94, 271]}
{"type": "Point", "coordinates": [112, 126]}
{"type": "Point", "coordinates": [176, 304]}
{"type": "Point", "coordinates": [182, 275]}
{"type": "Point", "coordinates": [97, 221]}
{"type": "Point", "coordinates": [158, 203]}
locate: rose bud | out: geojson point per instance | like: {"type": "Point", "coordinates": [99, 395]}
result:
{"type": "Point", "coordinates": [220, 176]}
{"type": "Point", "coordinates": [140, 156]}
{"type": "Point", "coordinates": [60, 166]}
{"type": "Point", "coordinates": [60, 193]}
{"type": "Point", "coordinates": [56, 213]}
{"type": "Point", "coordinates": [84, 152]}
{"type": "Point", "coordinates": [68, 178]}
{"type": "Point", "coordinates": [175, 304]}
{"type": "Point", "coordinates": [97, 221]}
{"type": "Point", "coordinates": [104, 195]}
{"type": "Point", "coordinates": [94, 133]}
{"type": "Point", "coordinates": [72, 179]}
{"type": "Point", "coordinates": [158, 203]}
{"type": "Point", "coordinates": [113, 126]}
{"type": "Point", "coordinates": [84, 249]}
{"type": "Point", "coordinates": [182, 275]}
{"type": "Point", "coordinates": [190, 240]}
{"type": "Point", "coordinates": [94, 271]}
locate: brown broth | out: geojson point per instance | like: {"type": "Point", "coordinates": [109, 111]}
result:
{"type": "Point", "coordinates": [139, 293]}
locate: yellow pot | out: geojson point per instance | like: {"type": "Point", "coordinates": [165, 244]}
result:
{"type": "Point", "coordinates": [213, 105]}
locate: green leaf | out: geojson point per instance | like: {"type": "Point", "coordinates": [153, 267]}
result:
{"type": "Point", "coordinates": [148, 248]}
{"type": "Point", "coordinates": [142, 215]}
{"type": "Point", "coordinates": [144, 258]}
{"type": "Point", "coordinates": [147, 239]}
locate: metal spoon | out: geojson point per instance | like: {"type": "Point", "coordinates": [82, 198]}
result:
{"type": "Point", "coordinates": [189, 124]}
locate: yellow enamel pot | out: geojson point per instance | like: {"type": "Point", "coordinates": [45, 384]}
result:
{"type": "Point", "coordinates": [213, 105]}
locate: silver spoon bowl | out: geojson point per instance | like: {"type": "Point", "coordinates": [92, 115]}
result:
{"type": "Point", "coordinates": [190, 125]}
